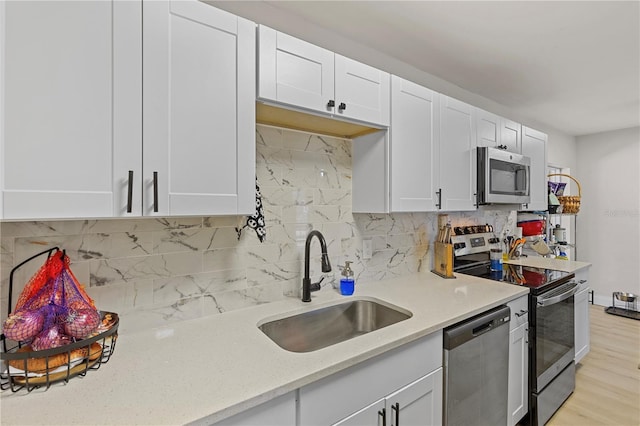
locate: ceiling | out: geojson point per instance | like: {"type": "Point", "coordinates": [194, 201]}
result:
{"type": "Point", "coordinates": [571, 65]}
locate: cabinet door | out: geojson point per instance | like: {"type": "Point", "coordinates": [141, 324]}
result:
{"type": "Point", "coordinates": [338, 396]}
{"type": "Point", "coordinates": [372, 415]}
{"type": "Point", "coordinates": [280, 411]}
{"type": "Point", "coordinates": [511, 135]}
{"type": "Point", "coordinates": [418, 404]}
{"type": "Point", "coordinates": [518, 396]}
{"type": "Point", "coordinates": [71, 88]}
{"type": "Point", "coordinates": [199, 114]}
{"type": "Point", "coordinates": [294, 72]}
{"type": "Point", "coordinates": [487, 129]}
{"type": "Point", "coordinates": [361, 91]}
{"type": "Point", "coordinates": [534, 146]}
{"type": "Point", "coordinates": [456, 155]}
{"type": "Point", "coordinates": [582, 328]}
{"type": "Point", "coordinates": [413, 139]}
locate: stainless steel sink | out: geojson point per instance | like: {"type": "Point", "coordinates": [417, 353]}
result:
{"type": "Point", "coordinates": [326, 326]}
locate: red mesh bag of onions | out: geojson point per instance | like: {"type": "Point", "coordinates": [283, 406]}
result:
{"type": "Point", "coordinates": [53, 308]}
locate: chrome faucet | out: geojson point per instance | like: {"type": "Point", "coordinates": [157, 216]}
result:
{"type": "Point", "coordinates": [307, 287]}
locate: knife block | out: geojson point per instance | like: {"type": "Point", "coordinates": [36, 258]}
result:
{"type": "Point", "coordinates": [443, 260]}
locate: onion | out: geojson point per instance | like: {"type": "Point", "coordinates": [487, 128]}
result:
{"type": "Point", "coordinates": [80, 323]}
{"type": "Point", "coordinates": [51, 337]}
{"type": "Point", "coordinates": [23, 325]}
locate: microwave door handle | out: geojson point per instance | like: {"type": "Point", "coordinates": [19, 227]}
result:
{"type": "Point", "coordinates": [527, 179]}
{"type": "Point", "coordinates": [548, 301]}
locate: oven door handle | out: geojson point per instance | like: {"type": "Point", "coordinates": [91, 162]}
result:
{"type": "Point", "coordinates": [552, 300]}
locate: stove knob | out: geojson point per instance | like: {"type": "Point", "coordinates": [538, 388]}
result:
{"type": "Point", "coordinates": [458, 246]}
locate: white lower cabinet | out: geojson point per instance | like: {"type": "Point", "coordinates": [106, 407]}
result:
{"type": "Point", "coordinates": [280, 411]}
{"type": "Point", "coordinates": [417, 404]}
{"type": "Point", "coordinates": [518, 385]}
{"type": "Point", "coordinates": [410, 376]}
{"type": "Point", "coordinates": [374, 414]}
{"type": "Point", "coordinates": [581, 305]}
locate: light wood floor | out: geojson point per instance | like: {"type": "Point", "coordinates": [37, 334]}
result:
{"type": "Point", "coordinates": [608, 377]}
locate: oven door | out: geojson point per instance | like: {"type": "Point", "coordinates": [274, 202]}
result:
{"type": "Point", "coordinates": [554, 332]}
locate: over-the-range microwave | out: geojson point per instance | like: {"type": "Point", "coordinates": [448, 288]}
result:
{"type": "Point", "coordinates": [503, 177]}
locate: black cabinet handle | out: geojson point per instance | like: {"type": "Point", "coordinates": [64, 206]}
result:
{"type": "Point", "coordinates": [342, 106]}
{"type": "Point", "coordinates": [331, 104]}
{"type": "Point", "coordinates": [521, 313]}
{"type": "Point", "coordinates": [439, 203]}
{"type": "Point", "coordinates": [396, 407]}
{"type": "Point", "coordinates": [383, 413]}
{"type": "Point", "coordinates": [155, 192]}
{"type": "Point", "coordinates": [130, 192]}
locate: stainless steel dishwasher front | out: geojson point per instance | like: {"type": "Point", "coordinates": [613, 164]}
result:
{"type": "Point", "coordinates": [476, 367]}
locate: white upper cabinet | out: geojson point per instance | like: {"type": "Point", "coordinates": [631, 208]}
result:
{"type": "Point", "coordinates": [294, 72]}
{"type": "Point", "coordinates": [73, 135]}
{"type": "Point", "coordinates": [534, 146]}
{"type": "Point", "coordinates": [70, 81]}
{"type": "Point", "coordinates": [510, 136]}
{"type": "Point", "coordinates": [361, 92]}
{"type": "Point", "coordinates": [199, 110]}
{"type": "Point", "coordinates": [457, 156]}
{"type": "Point", "coordinates": [427, 159]}
{"type": "Point", "coordinates": [488, 129]}
{"type": "Point", "coordinates": [304, 76]}
{"type": "Point", "coordinates": [414, 134]}
{"type": "Point", "coordinates": [498, 132]}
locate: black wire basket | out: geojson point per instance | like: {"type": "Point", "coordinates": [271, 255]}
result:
{"type": "Point", "coordinates": [26, 369]}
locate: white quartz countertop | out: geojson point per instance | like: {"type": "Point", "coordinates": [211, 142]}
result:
{"type": "Point", "coordinates": [548, 263]}
{"type": "Point", "coordinates": [210, 368]}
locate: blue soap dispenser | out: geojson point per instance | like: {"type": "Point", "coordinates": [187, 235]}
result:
{"type": "Point", "coordinates": [347, 282]}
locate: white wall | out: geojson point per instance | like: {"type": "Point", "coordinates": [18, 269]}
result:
{"type": "Point", "coordinates": [561, 150]}
{"type": "Point", "coordinates": [609, 217]}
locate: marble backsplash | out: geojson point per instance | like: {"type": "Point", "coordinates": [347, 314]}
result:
{"type": "Point", "coordinates": [155, 271]}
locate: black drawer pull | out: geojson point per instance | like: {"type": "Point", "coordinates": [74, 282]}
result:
{"type": "Point", "coordinates": [130, 192]}
{"type": "Point", "coordinates": [155, 192]}
{"type": "Point", "coordinates": [383, 413]}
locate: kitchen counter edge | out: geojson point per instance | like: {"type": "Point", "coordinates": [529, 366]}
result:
{"type": "Point", "coordinates": [208, 369]}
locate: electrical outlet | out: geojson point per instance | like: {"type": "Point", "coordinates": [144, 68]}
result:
{"type": "Point", "coordinates": [367, 248]}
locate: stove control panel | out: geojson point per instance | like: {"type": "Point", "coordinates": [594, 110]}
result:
{"type": "Point", "coordinates": [472, 243]}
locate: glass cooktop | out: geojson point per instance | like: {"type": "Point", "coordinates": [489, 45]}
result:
{"type": "Point", "coordinates": [534, 278]}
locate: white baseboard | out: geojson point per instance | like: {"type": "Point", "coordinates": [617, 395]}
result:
{"type": "Point", "coordinates": [606, 301]}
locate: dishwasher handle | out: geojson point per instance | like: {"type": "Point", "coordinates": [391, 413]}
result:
{"type": "Point", "coordinates": [483, 328]}
{"type": "Point", "coordinates": [474, 327]}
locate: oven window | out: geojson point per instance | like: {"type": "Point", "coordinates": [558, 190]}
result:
{"type": "Point", "coordinates": [508, 178]}
{"type": "Point", "coordinates": [554, 333]}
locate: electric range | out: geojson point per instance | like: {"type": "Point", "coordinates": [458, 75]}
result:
{"type": "Point", "coordinates": [550, 314]}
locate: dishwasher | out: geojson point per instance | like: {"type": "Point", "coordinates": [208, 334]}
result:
{"type": "Point", "coordinates": [476, 368]}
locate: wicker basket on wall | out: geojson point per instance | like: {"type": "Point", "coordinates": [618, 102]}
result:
{"type": "Point", "coordinates": [570, 203]}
